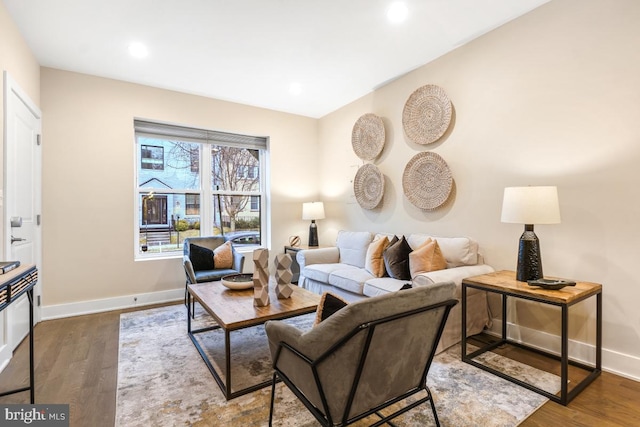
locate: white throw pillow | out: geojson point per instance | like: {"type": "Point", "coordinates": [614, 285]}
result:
{"type": "Point", "coordinates": [353, 247]}
{"type": "Point", "coordinates": [457, 251]}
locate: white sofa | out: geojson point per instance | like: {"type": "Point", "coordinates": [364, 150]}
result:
{"type": "Point", "coordinates": [341, 270]}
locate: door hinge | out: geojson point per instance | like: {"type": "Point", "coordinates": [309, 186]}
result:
{"type": "Point", "coordinates": [38, 139]}
{"type": "Point", "coordinates": [38, 300]}
{"type": "Point", "coordinates": [38, 219]}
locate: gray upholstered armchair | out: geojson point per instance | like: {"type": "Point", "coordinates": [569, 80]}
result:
{"type": "Point", "coordinates": [368, 355]}
{"type": "Point", "coordinates": [193, 275]}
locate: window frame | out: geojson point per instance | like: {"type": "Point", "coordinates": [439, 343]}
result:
{"type": "Point", "coordinates": [205, 191]}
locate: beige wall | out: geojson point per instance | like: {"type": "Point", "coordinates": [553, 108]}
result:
{"type": "Point", "coordinates": [552, 98]}
{"type": "Point", "coordinates": [15, 58]}
{"type": "Point", "coordinates": [88, 180]}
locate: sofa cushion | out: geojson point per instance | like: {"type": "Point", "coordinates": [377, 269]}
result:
{"type": "Point", "coordinates": [374, 263]}
{"type": "Point", "coordinates": [382, 285]}
{"type": "Point", "coordinates": [396, 260]}
{"type": "Point", "coordinates": [321, 272]}
{"type": "Point", "coordinates": [456, 250]}
{"type": "Point", "coordinates": [427, 257]}
{"type": "Point", "coordinates": [329, 304]}
{"type": "Point", "coordinates": [213, 275]}
{"type": "Point", "coordinates": [201, 258]}
{"type": "Point", "coordinates": [353, 247]}
{"type": "Point", "coordinates": [350, 279]}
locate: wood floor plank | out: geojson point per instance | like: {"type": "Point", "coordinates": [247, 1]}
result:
{"type": "Point", "coordinates": [77, 363]}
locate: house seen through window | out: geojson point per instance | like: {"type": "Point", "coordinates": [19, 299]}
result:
{"type": "Point", "coordinates": [193, 182]}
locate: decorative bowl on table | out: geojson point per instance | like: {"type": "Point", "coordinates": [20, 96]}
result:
{"type": "Point", "coordinates": [238, 281]}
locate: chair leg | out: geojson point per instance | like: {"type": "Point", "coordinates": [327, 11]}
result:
{"type": "Point", "coordinates": [433, 408]}
{"type": "Point", "coordinates": [186, 300]}
{"type": "Point", "coordinates": [273, 398]}
{"type": "Point", "coordinates": [186, 291]}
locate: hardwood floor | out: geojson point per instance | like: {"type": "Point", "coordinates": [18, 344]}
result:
{"type": "Point", "coordinates": [77, 363]}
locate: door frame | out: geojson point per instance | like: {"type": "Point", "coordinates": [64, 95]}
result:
{"type": "Point", "coordinates": [11, 89]}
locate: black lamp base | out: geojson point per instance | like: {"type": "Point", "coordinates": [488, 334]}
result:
{"type": "Point", "coordinates": [529, 259]}
{"type": "Point", "coordinates": [313, 234]}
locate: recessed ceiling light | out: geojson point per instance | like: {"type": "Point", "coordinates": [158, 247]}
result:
{"type": "Point", "coordinates": [138, 50]}
{"type": "Point", "coordinates": [295, 89]}
{"type": "Point", "coordinates": [397, 12]}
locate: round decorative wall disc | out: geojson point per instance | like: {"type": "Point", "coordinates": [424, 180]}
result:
{"type": "Point", "coordinates": [367, 137]}
{"type": "Point", "coordinates": [427, 114]}
{"type": "Point", "coordinates": [427, 181]}
{"type": "Point", "coordinates": [368, 186]}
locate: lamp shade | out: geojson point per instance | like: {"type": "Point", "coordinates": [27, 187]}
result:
{"type": "Point", "coordinates": [313, 210]}
{"type": "Point", "coordinates": [531, 205]}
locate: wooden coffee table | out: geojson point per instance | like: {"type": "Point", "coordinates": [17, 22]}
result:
{"type": "Point", "coordinates": [233, 310]}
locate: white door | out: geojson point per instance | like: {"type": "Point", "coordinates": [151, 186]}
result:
{"type": "Point", "coordinates": [21, 199]}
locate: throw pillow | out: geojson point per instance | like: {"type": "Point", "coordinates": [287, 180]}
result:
{"type": "Point", "coordinates": [374, 262]}
{"type": "Point", "coordinates": [396, 260]}
{"type": "Point", "coordinates": [223, 256]}
{"type": "Point", "coordinates": [201, 258]}
{"type": "Point", "coordinates": [427, 257]}
{"type": "Point", "coordinates": [328, 305]}
{"type": "Point", "coordinates": [392, 242]}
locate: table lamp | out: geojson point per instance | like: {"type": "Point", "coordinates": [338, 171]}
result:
{"type": "Point", "coordinates": [529, 206]}
{"type": "Point", "coordinates": [312, 211]}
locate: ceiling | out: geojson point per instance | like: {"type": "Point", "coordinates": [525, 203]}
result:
{"type": "Point", "coordinates": [253, 51]}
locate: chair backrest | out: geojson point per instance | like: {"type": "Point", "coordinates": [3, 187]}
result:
{"type": "Point", "coordinates": [370, 351]}
{"type": "Point", "coordinates": [210, 242]}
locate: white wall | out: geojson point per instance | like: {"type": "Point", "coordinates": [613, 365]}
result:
{"type": "Point", "coordinates": [16, 59]}
{"type": "Point", "coordinates": [552, 98]}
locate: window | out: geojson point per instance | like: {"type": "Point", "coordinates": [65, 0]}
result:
{"type": "Point", "coordinates": [178, 199]}
{"type": "Point", "coordinates": [192, 204]}
{"type": "Point", "coordinates": [255, 203]}
{"type": "Point", "coordinates": [152, 157]}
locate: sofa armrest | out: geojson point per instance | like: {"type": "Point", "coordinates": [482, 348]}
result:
{"type": "Point", "coordinates": [455, 274]}
{"type": "Point", "coordinates": [238, 261]}
{"type": "Point", "coordinates": [317, 256]}
{"type": "Point", "coordinates": [188, 269]}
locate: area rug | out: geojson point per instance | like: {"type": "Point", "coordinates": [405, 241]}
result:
{"type": "Point", "coordinates": [163, 381]}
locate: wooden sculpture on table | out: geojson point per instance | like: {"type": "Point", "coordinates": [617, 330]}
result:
{"type": "Point", "coordinates": [261, 277]}
{"type": "Point", "coordinates": [284, 288]}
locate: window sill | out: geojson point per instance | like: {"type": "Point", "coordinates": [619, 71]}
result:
{"type": "Point", "coordinates": [158, 257]}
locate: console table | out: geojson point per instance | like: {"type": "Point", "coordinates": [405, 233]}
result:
{"type": "Point", "coordinates": [504, 283]}
{"type": "Point", "coordinates": [13, 285]}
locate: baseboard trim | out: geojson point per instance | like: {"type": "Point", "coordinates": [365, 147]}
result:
{"type": "Point", "coordinates": [624, 365]}
{"type": "Point", "coordinates": [59, 311]}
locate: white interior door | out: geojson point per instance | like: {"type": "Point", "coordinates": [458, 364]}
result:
{"type": "Point", "coordinates": [22, 203]}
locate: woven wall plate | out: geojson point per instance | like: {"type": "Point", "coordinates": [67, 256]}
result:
{"type": "Point", "coordinates": [368, 186]}
{"type": "Point", "coordinates": [427, 181]}
{"type": "Point", "coordinates": [367, 136]}
{"type": "Point", "coordinates": [427, 114]}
